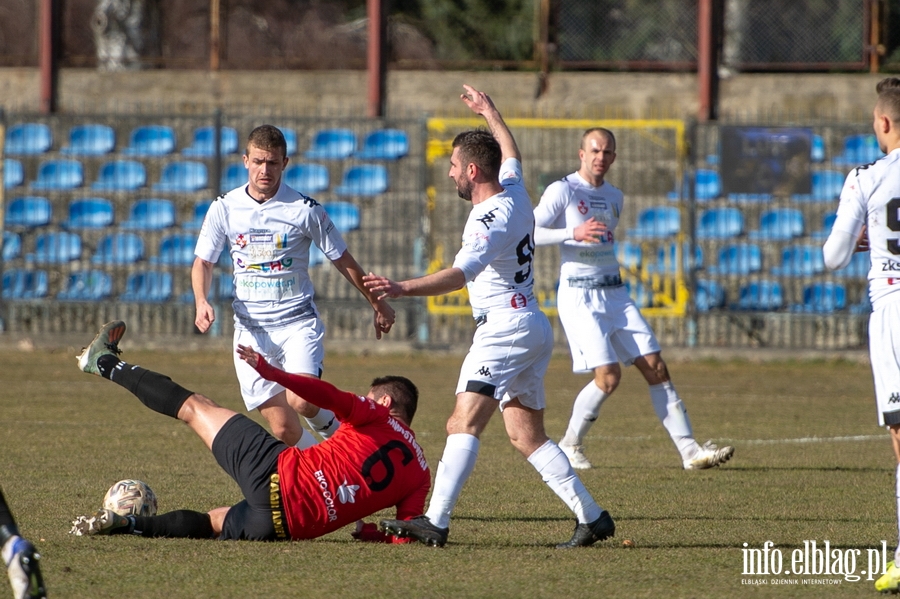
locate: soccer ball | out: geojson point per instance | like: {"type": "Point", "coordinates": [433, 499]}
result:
{"type": "Point", "coordinates": [130, 498]}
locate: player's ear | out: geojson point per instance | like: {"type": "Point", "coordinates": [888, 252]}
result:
{"type": "Point", "coordinates": [385, 400]}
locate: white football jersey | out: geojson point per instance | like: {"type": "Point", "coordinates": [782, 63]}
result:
{"type": "Point", "coordinates": [871, 197]}
{"type": "Point", "coordinates": [498, 248]}
{"type": "Point", "coordinates": [570, 202]}
{"type": "Point", "coordinates": [269, 244]}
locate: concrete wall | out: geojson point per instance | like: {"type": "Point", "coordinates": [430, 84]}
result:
{"type": "Point", "coordinates": [828, 96]}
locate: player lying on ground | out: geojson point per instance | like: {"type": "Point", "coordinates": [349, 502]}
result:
{"type": "Point", "coordinates": [21, 559]}
{"type": "Point", "coordinates": [372, 462]}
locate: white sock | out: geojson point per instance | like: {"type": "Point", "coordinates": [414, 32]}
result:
{"type": "Point", "coordinates": [584, 412]}
{"type": "Point", "coordinates": [553, 466]}
{"type": "Point", "coordinates": [6, 553]}
{"type": "Point", "coordinates": [307, 439]}
{"type": "Point", "coordinates": [897, 493]}
{"type": "Point", "coordinates": [453, 470]}
{"type": "Point", "coordinates": [670, 411]}
{"type": "Point", "coordinates": [324, 423]}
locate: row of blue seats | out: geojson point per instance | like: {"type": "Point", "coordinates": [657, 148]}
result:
{"type": "Point", "coordinates": [823, 297]}
{"type": "Point", "coordinates": [191, 176]}
{"type": "Point", "coordinates": [857, 148]}
{"type": "Point", "coordinates": [825, 186]}
{"type": "Point", "coordinates": [95, 285]}
{"type": "Point", "coordinates": [159, 140]}
{"type": "Point", "coordinates": [740, 259]}
{"type": "Point", "coordinates": [659, 222]}
{"type": "Point", "coordinates": [146, 214]}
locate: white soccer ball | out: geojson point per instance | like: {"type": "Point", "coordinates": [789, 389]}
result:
{"type": "Point", "coordinates": [131, 498]}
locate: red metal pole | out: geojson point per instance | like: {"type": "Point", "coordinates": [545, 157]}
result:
{"type": "Point", "coordinates": [375, 59]}
{"type": "Point", "coordinates": [705, 59]}
{"type": "Point", "coordinates": [46, 57]}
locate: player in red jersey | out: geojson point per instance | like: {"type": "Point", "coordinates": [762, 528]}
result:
{"type": "Point", "coordinates": [372, 461]}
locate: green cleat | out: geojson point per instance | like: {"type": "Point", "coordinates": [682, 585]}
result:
{"type": "Point", "coordinates": [889, 582]}
{"type": "Point", "coordinates": [105, 343]}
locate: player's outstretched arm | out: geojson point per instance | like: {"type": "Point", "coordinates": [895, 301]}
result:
{"type": "Point", "coordinates": [353, 272]}
{"type": "Point", "coordinates": [480, 103]}
{"type": "Point", "coordinates": [438, 283]}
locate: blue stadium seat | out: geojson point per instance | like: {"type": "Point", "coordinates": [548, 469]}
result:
{"type": "Point", "coordinates": [176, 250]}
{"type": "Point", "coordinates": [182, 177]}
{"type": "Point", "coordinates": [708, 186]}
{"type": "Point", "coordinates": [90, 140]}
{"type": "Point", "coordinates": [827, 224]}
{"type": "Point", "coordinates": [779, 224]}
{"type": "Point", "coordinates": [629, 254]}
{"type": "Point", "coordinates": [59, 175]}
{"type": "Point", "coordinates": [764, 295]}
{"type": "Point", "coordinates": [224, 286]}
{"type": "Point", "coordinates": [750, 198]}
{"type": "Point", "coordinates": [147, 286]}
{"type": "Point", "coordinates": [859, 149]}
{"type": "Point", "coordinates": [234, 175]}
{"type": "Point", "coordinates": [826, 187]}
{"type": "Point", "coordinates": [86, 286]}
{"type": "Point", "coordinates": [121, 175]}
{"type": "Point", "coordinates": [12, 245]}
{"type": "Point", "coordinates": [13, 173]}
{"type": "Point", "coordinates": [29, 211]}
{"type": "Point", "coordinates": [858, 268]}
{"type": "Point", "coordinates": [822, 298]}
{"type": "Point", "coordinates": [203, 145]}
{"type": "Point", "coordinates": [800, 261]}
{"type": "Point", "coordinates": [290, 140]}
{"type": "Point", "coordinates": [640, 294]}
{"type": "Point", "coordinates": [363, 179]}
{"type": "Point", "coordinates": [738, 259]}
{"type": "Point", "coordinates": [709, 295]}
{"type": "Point", "coordinates": [344, 215]}
{"type": "Point", "coordinates": [56, 247]}
{"type": "Point", "coordinates": [316, 256]}
{"type": "Point", "coordinates": [25, 284]}
{"type": "Point", "coordinates": [656, 222]}
{"type": "Point", "coordinates": [307, 178]}
{"type": "Point", "coordinates": [720, 223]}
{"type": "Point", "coordinates": [200, 209]}
{"type": "Point", "coordinates": [150, 214]}
{"type": "Point", "coordinates": [90, 213]}
{"type": "Point", "coordinates": [119, 248]}
{"type": "Point", "coordinates": [817, 149]}
{"type": "Point", "coordinates": [384, 144]}
{"type": "Point", "coordinates": [863, 306]}
{"type": "Point", "coordinates": [28, 138]}
{"type": "Point", "coordinates": [151, 140]}
{"type": "Point", "coordinates": [332, 144]}
{"type": "Point", "coordinates": [667, 260]}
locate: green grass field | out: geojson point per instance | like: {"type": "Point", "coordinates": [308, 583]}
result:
{"type": "Point", "coordinates": [810, 465]}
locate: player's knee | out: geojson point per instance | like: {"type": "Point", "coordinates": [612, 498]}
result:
{"type": "Point", "coordinates": [608, 381]}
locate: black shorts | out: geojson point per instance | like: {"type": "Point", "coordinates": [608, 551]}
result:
{"type": "Point", "coordinates": [249, 454]}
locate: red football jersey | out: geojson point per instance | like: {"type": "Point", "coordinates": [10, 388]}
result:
{"type": "Point", "coordinates": [372, 462]}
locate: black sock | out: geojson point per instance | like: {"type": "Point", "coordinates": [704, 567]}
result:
{"type": "Point", "coordinates": [156, 391]}
{"type": "Point", "coordinates": [184, 524]}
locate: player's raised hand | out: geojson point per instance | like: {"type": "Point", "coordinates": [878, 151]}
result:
{"type": "Point", "coordinates": [478, 102]}
{"type": "Point", "coordinates": [382, 287]}
{"type": "Point", "coordinates": [248, 355]}
{"type": "Point", "coordinates": [589, 231]}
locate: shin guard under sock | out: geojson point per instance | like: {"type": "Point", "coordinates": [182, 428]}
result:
{"type": "Point", "coordinates": [156, 391]}
{"type": "Point", "coordinates": [183, 524]}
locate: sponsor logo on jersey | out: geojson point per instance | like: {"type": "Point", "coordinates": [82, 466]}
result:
{"type": "Point", "coordinates": [894, 398]}
{"type": "Point", "coordinates": [484, 371]}
{"type": "Point", "coordinates": [347, 492]}
{"type": "Point", "coordinates": [281, 241]}
{"type": "Point", "coordinates": [582, 207]}
{"type": "Point", "coordinates": [309, 201]}
{"type": "Point", "coordinates": [241, 241]}
{"type": "Point", "coordinates": [517, 300]}
{"type": "Point", "coordinates": [890, 266]}
{"type": "Point", "coordinates": [261, 237]}
{"type": "Point", "coordinates": [476, 241]}
{"type": "Point", "coordinates": [275, 266]}
{"type": "Point", "coordinates": [327, 496]}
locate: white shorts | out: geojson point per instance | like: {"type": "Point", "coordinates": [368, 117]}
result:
{"type": "Point", "coordinates": [603, 326]}
{"type": "Point", "coordinates": [297, 348]}
{"type": "Point", "coordinates": [884, 354]}
{"type": "Point", "coordinates": [508, 358]}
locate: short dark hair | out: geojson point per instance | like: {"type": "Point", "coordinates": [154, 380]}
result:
{"type": "Point", "coordinates": [889, 97]}
{"type": "Point", "coordinates": [267, 137]}
{"type": "Point", "coordinates": [609, 135]}
{"type": "Point", "coordinates": [402, 390]}
{"type": "Point", "coordinates": [481, 148]}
